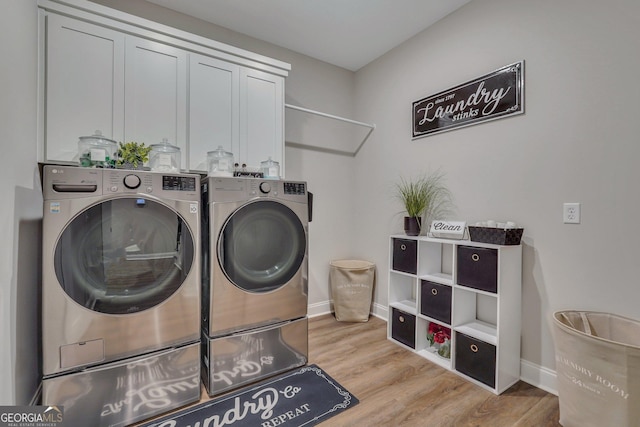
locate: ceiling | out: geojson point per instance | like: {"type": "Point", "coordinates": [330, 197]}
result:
{"type": "Point", "coordinates": [346, 33]}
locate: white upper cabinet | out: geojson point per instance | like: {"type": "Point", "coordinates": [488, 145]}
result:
{"type": "Point", "coordinates": [261, 117]}
{"type": "Point", "coordinates": [84, 85]}
{"type": "Point", "coordinates": [136, 80]}
{"type": "Point", "coordinates": [88, 69]}
{"type": "Point", "coordinates": [213, 109]}
{"type": "Point", "coordinates": [156, 93]}
{"type": "Point", "coordinates": [238, 108]}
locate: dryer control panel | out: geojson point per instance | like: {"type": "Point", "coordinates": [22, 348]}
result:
{"type": "Point", "coordinates": [235, 189]}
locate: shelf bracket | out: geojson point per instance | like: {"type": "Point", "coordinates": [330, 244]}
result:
{"type": "Point", "coordinates": [371, 127]}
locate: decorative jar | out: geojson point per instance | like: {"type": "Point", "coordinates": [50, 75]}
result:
{"type": "Point", "coordinates": [97, 151]}
{"type": "Point", "coordinates": [164, 157]}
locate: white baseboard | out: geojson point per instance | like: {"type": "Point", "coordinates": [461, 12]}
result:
{"type": "Point", "coordinates": [319, 309]}
{"type": "Point", "coordinates": [536, 375]}
{"type": "Point", "coordinates": [326, 307]}
{"type": "Point", "coordinates": [381, 311]}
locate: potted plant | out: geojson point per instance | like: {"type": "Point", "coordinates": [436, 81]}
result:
{"type": "Point", "coordinates": [132, 155]}
{"type": "Point", "coordinates": [424, 198]}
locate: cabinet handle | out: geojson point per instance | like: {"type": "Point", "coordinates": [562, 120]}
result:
{"type": "Point", "coordinates": [403, 246]}
{"type": "Point", "coordinates": [474, 348]}
{"type": "Point", "coordinates": [434, 291]}
{"type": "Point", "coordinates": [475, 257]}
{"type": "Point", "coordinates": [401, 319]}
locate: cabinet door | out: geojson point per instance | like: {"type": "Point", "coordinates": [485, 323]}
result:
{"type": "Point", "coordinates": [156, 93]}
{"type": "Point", "coordinates": [84, 85]}
{"type": "Point", "coordinates": [261, 118]}
{"type": "Point", "coordinates": [213, 109]}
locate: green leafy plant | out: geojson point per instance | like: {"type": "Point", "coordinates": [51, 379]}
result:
{"type": "Point", "coordinates": [133, 153]}
{"type": "Point", "coordinates": [425, 196]}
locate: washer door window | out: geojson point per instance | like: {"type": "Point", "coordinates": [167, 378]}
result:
{"type": "Point", "coordinates": [124, 255]}
{"type": "Point", "coordinates": [261, 246]}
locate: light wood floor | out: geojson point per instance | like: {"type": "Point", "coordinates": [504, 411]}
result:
{"type": "Point", "coordinates": [398, 388]}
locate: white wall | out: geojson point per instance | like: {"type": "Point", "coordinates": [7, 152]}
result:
{"type": "Point", "coordinates": [577, 142]}
{"type": "Point", "coordinates": [21, 204]}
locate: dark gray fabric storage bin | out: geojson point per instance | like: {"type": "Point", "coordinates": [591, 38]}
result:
{"type": "Point", "coordinates": [403, 327]}
{"type": "Point", "coordinates": [435, 301]}
{"type": "Point", "coordinates": [478, 268]}
{"type": "Point", "coordinates": [405, 255]}
{"type": "Point", "coordinates": [476, 359]}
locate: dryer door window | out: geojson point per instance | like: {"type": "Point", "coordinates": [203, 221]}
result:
{"type": "Point", "coordinates": [262, 246]}
{"type": "Point", "coordinates": [124, 255]}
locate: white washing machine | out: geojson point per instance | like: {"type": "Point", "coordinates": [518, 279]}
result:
{"type": "Point", "coordinates": [120, 293]}
{"type": "Point", "coordinates": [254, 308]}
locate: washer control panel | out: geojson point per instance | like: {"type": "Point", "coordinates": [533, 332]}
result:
{"type": "Point", "coordinates": [131, 181]}
{"type": "Point", "coordinates": [179, 183]}
{"type": "Point", "coordinates": [69, 182]}
{"type": "Point", "coordinates": [298, 188]}
{"type": "Point", "coordinates": [265, 187]}
{"type": "Point", "coordinates": [126, 181]}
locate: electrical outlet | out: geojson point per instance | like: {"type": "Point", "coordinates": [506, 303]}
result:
{"type": "Point", "coordinates": [571, 213]}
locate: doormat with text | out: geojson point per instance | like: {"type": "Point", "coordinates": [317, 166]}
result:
{"type": "Point", "coordinates": [303, 397]}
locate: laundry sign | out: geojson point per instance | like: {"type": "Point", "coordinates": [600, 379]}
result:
{"type": "Point", "coordinates": [492, 96]}
{"type": "Point", "coordinates": [304, 397]}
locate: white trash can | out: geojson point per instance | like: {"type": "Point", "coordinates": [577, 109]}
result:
{"type": "Point", "coordinates": [352, 289]}
{"type": "Point", "coordinates": [598, 369]}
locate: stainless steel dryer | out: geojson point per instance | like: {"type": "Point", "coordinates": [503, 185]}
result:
{"type": "Point", "coordinates": [120, 293]}
{"type": "Point", "coordinates": [254, 290]}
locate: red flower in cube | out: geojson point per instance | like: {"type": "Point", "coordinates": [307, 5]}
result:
{"type": "Point", "coordinates": [437, 333]}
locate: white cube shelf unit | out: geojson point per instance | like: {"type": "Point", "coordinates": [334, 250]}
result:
{"type": "Point", "coordinates": [472, 288]}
